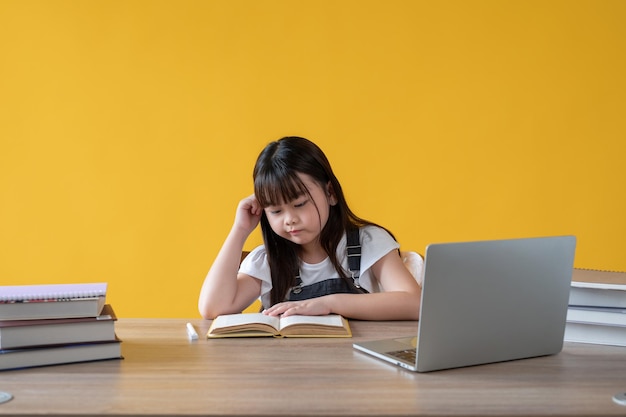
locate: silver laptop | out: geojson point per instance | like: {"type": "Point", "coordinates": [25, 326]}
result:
{"type": "Point", "coordinates": [485, 302]}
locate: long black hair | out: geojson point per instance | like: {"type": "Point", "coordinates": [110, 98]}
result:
{"type": "Point", "coordinates": [276, 181]}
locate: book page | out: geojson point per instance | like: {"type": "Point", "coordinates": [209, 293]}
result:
{"type": "Point", "coordinates": [332, 320]}
{"type": "Point", "coordinates": [232, 320]}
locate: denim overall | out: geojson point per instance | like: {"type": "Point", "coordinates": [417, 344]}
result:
{"type": "Point", "coordinates": [334, 285]}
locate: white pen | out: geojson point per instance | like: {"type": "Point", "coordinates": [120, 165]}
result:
{"type": "Point", "coordinates": [191, 332]}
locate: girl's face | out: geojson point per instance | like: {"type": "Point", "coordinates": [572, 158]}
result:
{"type": "Point", "coordinates": [302, 220]}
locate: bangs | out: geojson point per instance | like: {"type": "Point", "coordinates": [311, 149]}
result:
{"type": "Point", "coordinates": [273, 188]}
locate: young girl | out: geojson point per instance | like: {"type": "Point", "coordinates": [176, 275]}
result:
{"type": "Point", "coordinates": [303, 266]}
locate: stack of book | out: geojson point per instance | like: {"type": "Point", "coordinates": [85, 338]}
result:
{"type": "Point", "coordinates": [55, 324]}
{"type": "Point", "coordinates": [597, 308]}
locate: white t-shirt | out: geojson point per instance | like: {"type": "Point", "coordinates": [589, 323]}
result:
{"type": "Point", "coordinates": [375, 243]}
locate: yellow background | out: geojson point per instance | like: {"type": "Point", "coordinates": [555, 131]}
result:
{"type": "Point", "coordinates": [129, 129]}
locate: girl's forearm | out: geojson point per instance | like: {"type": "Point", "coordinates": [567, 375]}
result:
{"type": "Point", "coordinates": [219, 290]}
{"type": "Point", "coordinates": [392, 305]}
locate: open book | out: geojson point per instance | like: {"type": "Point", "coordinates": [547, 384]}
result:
{"type": "Point", "coordinates": [258, 324]}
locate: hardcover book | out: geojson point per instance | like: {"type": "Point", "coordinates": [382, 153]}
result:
{"type": "Point", "coordinates": [594, 333]}
{"type": "Point", "coordinates": [60, 354]}
{"type": "Point", "coordinates": [28, 333]}
{"type": "Point", "coordinates": [594, 288]}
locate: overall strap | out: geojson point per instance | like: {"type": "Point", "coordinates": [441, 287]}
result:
{"type": "Point", "coordinates": [353, 248]}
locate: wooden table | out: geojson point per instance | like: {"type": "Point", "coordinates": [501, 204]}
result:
{"type": "Point", "coordinates": [163, 373]}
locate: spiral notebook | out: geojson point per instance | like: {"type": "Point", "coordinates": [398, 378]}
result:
{"type": "Point", "coordinates": [29, 302]}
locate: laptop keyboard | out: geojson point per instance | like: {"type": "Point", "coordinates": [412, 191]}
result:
{"type": "Point", "coordinates": [405, 354]}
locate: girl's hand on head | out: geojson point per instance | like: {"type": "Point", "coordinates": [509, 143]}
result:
{"type": "Point", "coordinates": [248, 214]}
{"type": "Point", "coordinates": [311, 307]}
